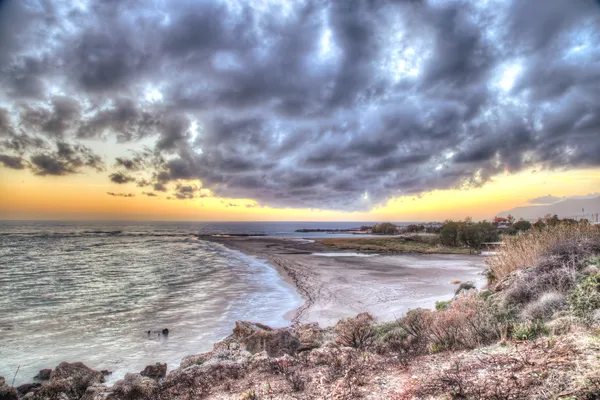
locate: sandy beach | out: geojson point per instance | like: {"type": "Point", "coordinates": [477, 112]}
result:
{"type": "Point", "coordinates": [337, 284]}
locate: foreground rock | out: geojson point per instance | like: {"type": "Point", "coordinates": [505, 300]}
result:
{"type": "Point", "coordinates": [68, 381]}
{"type": "Point", "coordinates": [7, 392]}
{"type": "Point", "coordinates": [157, 371]}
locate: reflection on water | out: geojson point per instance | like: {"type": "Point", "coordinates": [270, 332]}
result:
{"type": "Point", "coordinates": [76, 292]}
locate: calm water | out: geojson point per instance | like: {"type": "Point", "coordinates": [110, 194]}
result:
{"type": "Point", "coordinates": [90, 291]}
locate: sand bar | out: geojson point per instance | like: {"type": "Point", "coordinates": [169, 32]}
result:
{"type": "Point", "coordinates": [337, 284]}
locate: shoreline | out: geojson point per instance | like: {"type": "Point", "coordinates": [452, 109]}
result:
{"type": "Point", "coordinates": [335, 284]}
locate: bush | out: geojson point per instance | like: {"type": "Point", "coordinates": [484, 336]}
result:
{"type": "Point", "coordinates": [544, 307]}
{"type": "Point", "coordinates": [441, 305]}
{"type": "Point", "coordinates": [522, 226]}
{"type": "Point", "coordinates": [385, 228]}
{"type": "Point", "coordinates": [585, 299]}
{"type": "Point", "coordinates": [529, 330]}
{"type": "Point", "coordinates": [574, 242]}
{"type": "Point", "coordinates": [449, 233]}
{"type": "Point", "coordinates": [468, 322]}
{"type": "Point", "coordinates": [356, 332]}
{"type": "Point", "coordinates": [463, 287]}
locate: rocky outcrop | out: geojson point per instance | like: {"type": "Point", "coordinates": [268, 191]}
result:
{"type": "Point", "coordinates": [27, 388]}
{"type": "Point", "coordinates": [7, 392]}
{"type": "Point", "coordinates": [157, 371]}
{"type": "Point", "coordinates": [68, 381]}
{"type": "Point", "coordinates": [255, 338]}
{"type": "Point", "coordinates": [43, 375]}
{"type": "Point", "coordinates": [134, 386]}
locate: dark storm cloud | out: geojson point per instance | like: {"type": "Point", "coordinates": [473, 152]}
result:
{"type": "Point", "coordinates": [120, 178]}
{"type": "Point", "coordinates": [159, 187]}
{"type": "Point", "coordinates": [67, 159]}
{"type": "Point", "coordinates": [315, 103]}
{"type": "Point", "coordinates": [12, 161]}
{"type": "Point", "coordinates": [150, 194]}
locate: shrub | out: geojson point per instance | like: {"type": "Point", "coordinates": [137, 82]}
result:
{"type": "Point", "coordinates": [356, 332]}
{"type": "Point", "coordinates": [529, 330]}
{"type": "Point", "coordinates": [585, 299]}
{"type": "Point", "coordinates": [464, 286]}
{"type": "Point", "coordinates": [572, 242]}
{"type": "Point", "coordinates": [544, 307]}
{"type": "Point", "coordinates": [441, 305]}
{"type": "Point", "coordinates": [468, 322]}
{"type": "Point", "coordinates": [522, 226]}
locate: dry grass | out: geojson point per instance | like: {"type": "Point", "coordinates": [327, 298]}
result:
{"type": "Point", "coordinates": [391, 245]}
{"type": "Point", "coordinates": [525, 250]}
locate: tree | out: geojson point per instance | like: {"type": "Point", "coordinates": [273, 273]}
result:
{"type": "Point", "coordinates": [510, 219]}
{"type": "Point", "coordinates": [474, 234]}
{"type": "Point", "coordinates": [414, 228]}
{"type": "Point", "coordinates": [449, 233]}
{"type": "Point", "coordinates": [539, 224]}
{"type": "Point", "coordinates": [522, 225]}
{"type": "Point", "coordinates": [385, 228]}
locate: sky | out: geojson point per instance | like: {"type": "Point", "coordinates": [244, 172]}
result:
{"type": "Point", "coordinates": [402, 110]}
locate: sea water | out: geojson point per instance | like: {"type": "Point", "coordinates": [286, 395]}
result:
{"type": "Point", "coordinates": [91, 292]}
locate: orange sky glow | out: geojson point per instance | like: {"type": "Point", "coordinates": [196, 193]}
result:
{"type": "Point", "coordinates": [84, 197]}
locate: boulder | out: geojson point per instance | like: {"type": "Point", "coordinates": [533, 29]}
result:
{"type": "Point", "coordinates": [68, 381]}
{"type": "Point", "coordinates": [133, 386]}
{"type": "Point", "coordinates": [195, 359]}
{"type": "Point", "coordinates": [310, 336]}
{"type": "Point", "coordinates": [97, 392]}
{"type": "Point", "coordinates": [80, 372]}
{"type": "Point", "coordinates": [7, 392]}
{"type": "Point", "coordinates": [157, 371]}
{"type": "Point", "coordinates": [256, 337]}
{"type": "Point", "coordinates": [43, 375]}
{"type": "Point", "coordinates": [27, 387]}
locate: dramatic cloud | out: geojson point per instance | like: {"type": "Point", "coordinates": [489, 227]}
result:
{"type": "Point", "coordinates": [545, 200]}
{"type": "Point", "coordinates": [12, 162]}
{"type": "Point", "coordinates": [312, 103]}
{"type": "Point", "coordinates": [120, 178]}
{"type": "Point", "coordinates": [67, 159]}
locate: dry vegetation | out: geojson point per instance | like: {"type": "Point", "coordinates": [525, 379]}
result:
{"type": "Point", "coordinates": [525, 250]}
{"type": "Point", "coordinates": [534, 335]}
{"type": "Point", "coordinates": [415, 244]}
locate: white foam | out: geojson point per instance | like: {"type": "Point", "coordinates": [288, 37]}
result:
{"type": "Point", "coordinates": [344, 255]}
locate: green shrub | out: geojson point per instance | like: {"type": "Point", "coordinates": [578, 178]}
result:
{"type": "Point", "coordinates": [529, 330]}
{"type": "Point", "coordinates": [389, 331]}
{"type": "Point", "coordinates": [442, 305]}
{"type": "Point", "coordinates": [585, 299]}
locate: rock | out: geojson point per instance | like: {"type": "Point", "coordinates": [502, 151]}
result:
{"type": "Point", "coordinates": [7, 392]}
{"type": "Point", "coordinates": [43, 375]}
{"type": "Point", "coordinates": [133, 386]}
{"type": "Point", "coordinates": [106, 372]}
{"type": "Point", "coordinates": [96, 392]}
{"type": "Point", "coordinates": [165, 332]}
{"type": "Point", "coordinates": [28, 387]}
{"type": "Point", "coordinates": [196, 359]}
{"type": "Point", "coordinates": [310, 336]}
{"type": "Point", "coordinates": [157, 371]}
{"type": "Point", "coordinates": [256, 337]}
{"type": "Point", "coordinates": [68, 381]}
{"type": "Point", "coordinates": [78, 371]}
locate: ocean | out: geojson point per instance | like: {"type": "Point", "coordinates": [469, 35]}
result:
{"type": "Point", "coordinates": [91, 291]}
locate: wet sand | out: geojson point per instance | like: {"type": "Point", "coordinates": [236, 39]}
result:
{"type": "Point", "coordinates": [338, 285]}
